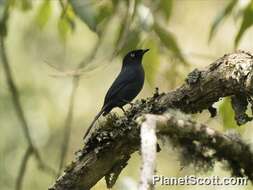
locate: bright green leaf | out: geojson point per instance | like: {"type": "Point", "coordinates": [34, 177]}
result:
{"type": "Point", "coordinates": [246, 22]}
{"type": "Point", "coordinates": [44, 13]}
{"type": "Point", "coordinates": [227, 114]}
{"type": "Point", "coordinates": [169, 41]}
{"type": "Point", "coordinates": [221, 16]}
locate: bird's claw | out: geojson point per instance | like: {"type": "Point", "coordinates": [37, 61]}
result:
{"type": "Point", "coordinates": [127, 102]}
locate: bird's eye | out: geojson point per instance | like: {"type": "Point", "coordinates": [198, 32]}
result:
{"type": "Point", "coordinates": [132, 54]}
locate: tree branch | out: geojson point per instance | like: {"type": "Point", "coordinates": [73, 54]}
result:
{"type": "Point", "coordinates": [148, 152]}
{"type": "Point", "coordinates": [203, 146]}
{"type": "Point", "coordinates": [110, 147]}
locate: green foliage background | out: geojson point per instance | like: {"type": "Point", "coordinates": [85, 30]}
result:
{"type": "Point", "coordinates": [48, 39]}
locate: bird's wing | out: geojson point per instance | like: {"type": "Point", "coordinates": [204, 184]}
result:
{"type": "Point", "coordinates": [121, 82]}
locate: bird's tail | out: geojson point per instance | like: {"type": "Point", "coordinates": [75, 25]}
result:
{"type": "Point", "coordinates": [92, 123]}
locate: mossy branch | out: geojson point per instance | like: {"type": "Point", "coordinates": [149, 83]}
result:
{"type": "Point", "coordinates": [108, 149]}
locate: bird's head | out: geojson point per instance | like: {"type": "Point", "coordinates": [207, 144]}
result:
{"type": "Point", "coordinates": [134, 57]}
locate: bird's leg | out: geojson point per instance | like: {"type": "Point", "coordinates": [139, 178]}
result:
{"type": "Point", "coordinates": [124, 114]}
{"type": "Point", "coordinates": [121, 107]}
{"type": "Point", "coordinates": [127, 102]}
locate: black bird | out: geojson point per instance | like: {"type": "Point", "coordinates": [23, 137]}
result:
{"type": "Point", "coordinates": [126, 86]}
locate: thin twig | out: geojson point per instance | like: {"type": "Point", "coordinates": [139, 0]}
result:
{"type": "Point", "coordinates": [17, 104]}
{"type": "Point", "coordinates": [23, 166]}
{"type": "Point", "coordinates": [18, 107]}
{"type": "Point", "coordinates": [14, 93]}
{"type": "Point", "coordinates": [69, 118]}
{"type": "Point", "coordinates": [67, 125]}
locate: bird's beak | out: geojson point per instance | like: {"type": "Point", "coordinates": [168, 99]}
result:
{"type": "Point", "coordinates": [145, 50]}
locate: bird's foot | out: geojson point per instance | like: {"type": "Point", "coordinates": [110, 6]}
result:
{"type": "Point", "coordinates": [127, 102]}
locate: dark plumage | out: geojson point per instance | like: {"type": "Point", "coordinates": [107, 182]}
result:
{"type": "Point", "coordinates": [126, 86]}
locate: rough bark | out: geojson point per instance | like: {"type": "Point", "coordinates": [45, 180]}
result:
{"type": "Point", "coordinates": [108, 149]}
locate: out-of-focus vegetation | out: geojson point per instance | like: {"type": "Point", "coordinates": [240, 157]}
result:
{"type": "Point", "coordinates": [50, 42]}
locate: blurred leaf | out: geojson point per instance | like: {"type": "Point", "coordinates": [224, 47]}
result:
{"type": "Point", "coordinates": [115, 2]}
{"type": "Point", "coordinates": [151, 60]}
{"type": "Point", "coordinates": [131, 42]}
{"type": "Point", "coordinates": [26, 5]}
{"type": "Point", "coordinates": [66, 22]}
{"type": "Point", "coordinates": [4, 14]}
{"type": "Point", "coordinates": [145, 17]}
{"type": "Point", "coordinates": [246, 22]}
{"type": "Point", "coordinates": [221, 16]}
{"type": "Point", "coordinates": [104, 11]}
{"type": "Point", "coordinates": [10, 3]}
{"type": "Point", "coordinates": [92, 12]}
{"type": "Point", "coordinates": [166, 7]}
{"type": "Point", "coordinates": [128, 37]}
{"type": "Point", "coordinates": [44, 13]}
{"type": "Point", "coordinates": [169, 41]}
{"type": "Point", "coordinates": [125, 30]}
{"type": "Point", "coordinates": [120, 34]}
{"type": "Point", "coordinates": [85, 11]}
{"type": "Point", "coordinates": [64, 28]}
{"type": "Point", "coordinates": [70, 19]}
{"type": "Point", "coordinates": [2, 3]}
{"type": "Point", "coordinates": [227, 114]}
